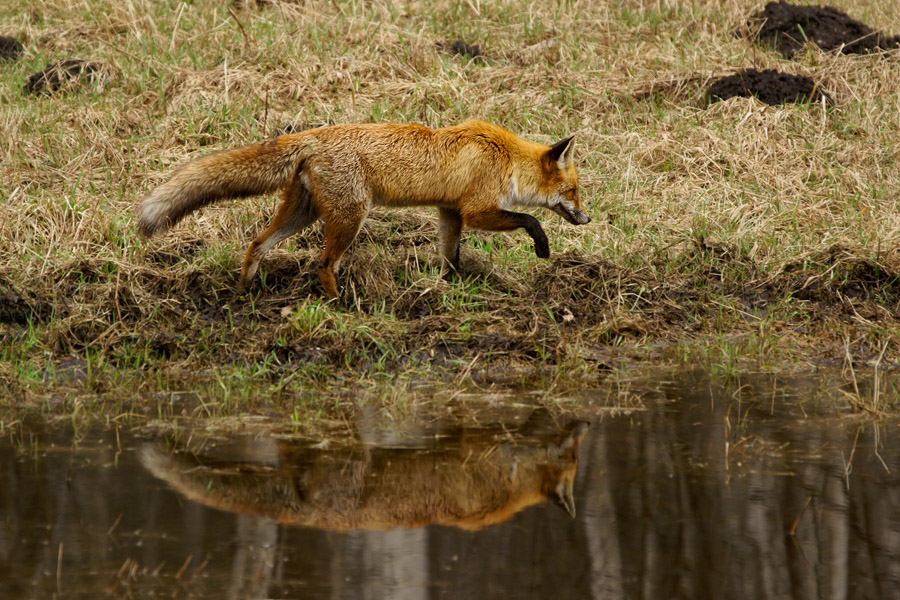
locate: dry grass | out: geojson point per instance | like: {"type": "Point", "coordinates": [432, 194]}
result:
{"type": "Point", "coordinates": [773, 230]}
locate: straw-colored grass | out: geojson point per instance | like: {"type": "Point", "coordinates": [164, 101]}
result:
{"type": "Point", "coordinates": [770, 230]}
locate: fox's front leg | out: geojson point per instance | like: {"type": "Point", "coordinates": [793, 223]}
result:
{"type": "Point", "coordinates": [505, 220]}
{"type": "Point", "coordinates": [450, 224]}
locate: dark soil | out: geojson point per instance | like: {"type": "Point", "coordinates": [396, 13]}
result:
{"type": "Point", "coordinates": [10, 48]}
{"type": "Point", "coordinates": [470, 51]}
{"type": "Point", "coordinates": [770, 86]}
{"type": "Point", "coordinates": [65, 72]}
{"type": "Point", "coordinates": [573, 306]}
{"type": "Point", "coordinates": [787, 27]}
{"type": "Point", "coordinates": [850, 283]}
{"type": "Point", "coordinates": [17, 309]}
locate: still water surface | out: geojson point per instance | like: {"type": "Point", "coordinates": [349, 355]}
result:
{"type": "Point", "coordinates": [705, 492]}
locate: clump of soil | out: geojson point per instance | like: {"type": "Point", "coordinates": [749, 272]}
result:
{"type": "Point", "coordinates": [787, 27]}
{"type": "Point", "coordinates": [66, 73]}
{"type": "Point", "coordinates": [18, 310]}
{"type": "Point", "coordinates": [839, 277]}
{"type": "Point", "coordinates": [472, 52]}
{"type": "Point", "coordinates": [10, 48]}
{"type": "Point", "coordinates": [770, 86]}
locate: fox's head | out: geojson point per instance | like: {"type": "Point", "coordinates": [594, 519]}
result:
{"type": "Point", "coordinates": [560, 183]}
{"type": "Point", "coordinates": [560, 484]}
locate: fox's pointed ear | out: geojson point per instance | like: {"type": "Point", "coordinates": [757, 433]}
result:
{"type": "Point", "coordinates": [561, 152]}
{"type": "Point", "coordinates": [569, 446]}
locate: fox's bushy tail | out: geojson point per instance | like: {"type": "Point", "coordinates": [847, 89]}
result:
{"type": "Point", "coordinates": [245, 493]}
{"type": "Point", "coordinates": [256, 169]}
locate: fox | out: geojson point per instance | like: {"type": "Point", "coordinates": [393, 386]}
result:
{"type": "Point", "coordinates": [473, 173]}
{"type": "Point", "coordinates": [467, 485]}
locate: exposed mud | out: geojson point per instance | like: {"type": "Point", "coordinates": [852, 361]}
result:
{"type": "Point", "coordinates": [17, 308]}
{"type": "Point", "coordinates": [10, 49]}
{"type": "Point", "coordinates": [468, 51]}
{"type": "Point", "coordinates": [770, 86]}
{"type": "Point", "coordinates": [788, 27]}
{"type": "Point", "coordinates": [845, 282]}
{"type": "Point", "coordinates": [198, 313]}
{"type": "Point", "coordinates": [68, 74]}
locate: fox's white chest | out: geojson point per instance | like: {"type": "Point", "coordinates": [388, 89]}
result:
{"type": "Point", "coordinates": [518, 197]}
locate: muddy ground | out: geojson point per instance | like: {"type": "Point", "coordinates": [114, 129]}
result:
{"type": "Point", "coordinates": [821, 308]}
{"type": "Point", "coordinates": [770, 86]}
{"type": "Point", "coordinates": [67, 73]}
{"type": "Point", "coordinates": [10, 48]}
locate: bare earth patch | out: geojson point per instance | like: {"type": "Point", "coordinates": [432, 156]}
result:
{"type": "Point", "coordinates": [10, 48]}
{"type": "Point", "coordinates": [770, 86]}
{"type": "Point", "coordinates": [788, 27]}
{"type": "Point", "coordinates": [558, 313]}
{"type": "Point", "coordinates": [67, 74]}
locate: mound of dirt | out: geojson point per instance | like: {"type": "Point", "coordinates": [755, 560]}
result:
{"type": "Point", "coordinates": [470, 51]}
{"type": "Point", "coordinates": [66, 73]}
{"type": "Point", "coordinates": [18, 310]}
{"type": "Point", "coordinates": [787, 27]}
{"type": "Point", "coordinates": [841, 278]}
{"type": "Point", "coordinates": [10, 48]}
{"type": "Point", "coordinates": [770, 86]}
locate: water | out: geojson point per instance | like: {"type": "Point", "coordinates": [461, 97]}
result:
{"type": "Point", "coordinates": [749, 491]}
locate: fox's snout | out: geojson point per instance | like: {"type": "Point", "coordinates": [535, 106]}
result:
{"type": "Point", "coordinates": [573, 214]}
{"type": "Point", "coordinates": [581, 218]}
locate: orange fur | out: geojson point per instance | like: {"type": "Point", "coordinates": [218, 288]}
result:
{"type": "Point", "coordinates": [473, 173]}
{"type": "Point", "coordinates": [466, 485]}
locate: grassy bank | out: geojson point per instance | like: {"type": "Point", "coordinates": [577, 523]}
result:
{"type": "Point", "coordinates": [727, 234]}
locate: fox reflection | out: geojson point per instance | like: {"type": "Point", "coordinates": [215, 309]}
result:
{"type": "Point", "coordinates": [470, 486]}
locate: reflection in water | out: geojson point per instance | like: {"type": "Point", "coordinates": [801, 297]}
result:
{"type": "Point", "coordinates": [709, 493]}
{"type": "Point", "coordinates": [742, 496]}
{"type": "Point", "coordinates": [465, 481]}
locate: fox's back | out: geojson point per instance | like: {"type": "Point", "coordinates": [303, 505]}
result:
{"type": "Point", "coordinates": [408, 164]}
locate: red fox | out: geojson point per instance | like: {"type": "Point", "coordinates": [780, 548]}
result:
{"type": "Point", "coordinates": [473, 173]}
{"type": "Point", "coordinates": [469, 485]}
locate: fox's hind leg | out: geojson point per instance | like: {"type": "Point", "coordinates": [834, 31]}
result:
{"type": "Point", "coordinates": [449, 229]}
{"type": "Point", "coordinates": [343, 208]}
{"type": "Point", "coordinates": [295, 212]}
{"type": "Point", "coordinates": [340, 231]}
